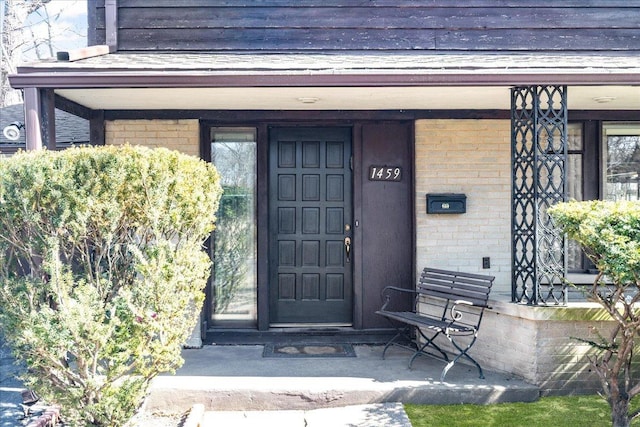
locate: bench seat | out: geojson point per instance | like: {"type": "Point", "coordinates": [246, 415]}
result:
{"type": "Point", "coordinates": [420, 321]}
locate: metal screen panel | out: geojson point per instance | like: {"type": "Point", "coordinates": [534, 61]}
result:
{"type": "Point", "coordinates": [539, 160]}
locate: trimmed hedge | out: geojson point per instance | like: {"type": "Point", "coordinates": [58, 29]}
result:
{"type": "Point", "coordinates": [102, 270]}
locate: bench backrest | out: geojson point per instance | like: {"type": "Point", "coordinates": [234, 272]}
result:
{"type": "Point", "coordinates": [453, 285]}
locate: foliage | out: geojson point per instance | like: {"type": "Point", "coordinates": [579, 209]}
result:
{"type": "Point", "coordinates": [102, 270]}
{"type": "Point", "coordinates": [558, 411]}
{"type": "Point", "coordinates": [609, 233]}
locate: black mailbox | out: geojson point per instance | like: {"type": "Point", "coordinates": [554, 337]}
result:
{"type": "Point", "coordinates": [446, 203]}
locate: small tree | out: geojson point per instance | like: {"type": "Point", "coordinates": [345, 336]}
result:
{"type": "Point", "coordinates": [13, 38]}
{"type": "Point", "coordinates": [609, 233]}
{"type": "Point", "coordinates": [101, 265]}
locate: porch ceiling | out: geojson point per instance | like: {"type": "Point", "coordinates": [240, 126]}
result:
{"type": "Point", "coordinates": [333, 81]}
{"type": "Point", "coordinates": [339, 98]}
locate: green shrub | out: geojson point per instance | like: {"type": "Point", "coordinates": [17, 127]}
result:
{"type": "Point", "coordinates": [609, 233]}
{"type": "Point", "coordinates": [102, 271]}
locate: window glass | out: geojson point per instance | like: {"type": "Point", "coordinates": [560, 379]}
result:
{"type": "Point", "coordinates": [574, 187]}
{"type": "Point", "coordinates": [575, 160]}
{"type": "Point", "coordinates": [233, 152]}
{"type": "Point", "coordinates": [622, 161]}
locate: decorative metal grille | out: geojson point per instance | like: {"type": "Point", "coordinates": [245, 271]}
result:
{"type": "Point", "coordinates": [539, 159]}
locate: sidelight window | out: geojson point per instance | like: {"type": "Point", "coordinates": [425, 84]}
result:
{"type": "Point", "coordinates": [233, 284]}
{"type": "Point", "coordinates": [575, 182]}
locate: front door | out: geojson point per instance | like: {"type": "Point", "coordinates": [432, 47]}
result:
{"type": "Point", "coordinates": [310, 214]}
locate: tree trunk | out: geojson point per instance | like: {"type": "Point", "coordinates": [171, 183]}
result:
{"type": "Point", "coordinates": [620, 413]}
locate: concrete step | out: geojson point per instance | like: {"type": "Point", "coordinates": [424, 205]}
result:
{"type": "Point", "coordinates": [239, 378]}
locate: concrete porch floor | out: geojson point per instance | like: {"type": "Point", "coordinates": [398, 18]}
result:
{"type": "Point", "coordinates": [238, 387]}
{"type": "Point", "coordinates": [226, 378]}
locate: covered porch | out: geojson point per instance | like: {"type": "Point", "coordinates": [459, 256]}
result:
{"type": "Point", "coordinates": [463, 125]}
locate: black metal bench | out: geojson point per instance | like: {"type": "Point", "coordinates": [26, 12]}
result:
{"type": "Point", "coordinates": [447, 303]}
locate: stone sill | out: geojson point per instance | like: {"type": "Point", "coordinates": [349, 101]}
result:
{"type": "Point", "coordinates": [575, 311]}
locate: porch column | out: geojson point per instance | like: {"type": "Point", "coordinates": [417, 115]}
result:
{"type": "Point", "coordinates": [39, 118]}
{"type": "Point", "coordinates": [32, 122]}
{"type": "Point", "coordinates": [539, 159]}
{"type": "Point", "coordinates": [48, 117]}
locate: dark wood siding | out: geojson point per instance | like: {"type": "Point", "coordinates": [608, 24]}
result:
{"type": "Point", "coordinates": [385, 234]}
{"type": "Point", "coordinates": [373, 25]}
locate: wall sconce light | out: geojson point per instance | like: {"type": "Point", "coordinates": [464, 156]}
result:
{"type": "Point", "coordinates": [12, 132]}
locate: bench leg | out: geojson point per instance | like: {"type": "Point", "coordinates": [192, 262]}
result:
{"type": "Point", "coordinates": [403, 334]}
{"type": "Point", "coordinates": [463, 352]}
{"type": "Point", "coordinates": [390, 343]}
{"type": "Point", "coordinates": [429, 342]}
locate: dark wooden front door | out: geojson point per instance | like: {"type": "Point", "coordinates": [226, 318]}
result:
{"type": "Point", "coordinates": [310, 213]}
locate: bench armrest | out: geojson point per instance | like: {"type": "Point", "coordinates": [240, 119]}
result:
{"type": "Point", "coordinates": [456, 315]}
{"type": "Point", "coordinates": [462, 301]}
{"type": "Point", "coordinates": [465, 302]}
{"type": "Point", "coordinates": [388, 291]}
{"type": "Point", "coordinates": [396, 288]}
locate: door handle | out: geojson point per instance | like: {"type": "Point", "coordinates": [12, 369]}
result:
{"type": "Point", "coordinates": [347, 248]}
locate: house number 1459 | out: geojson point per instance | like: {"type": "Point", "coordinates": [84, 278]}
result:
{"type": "Point", "coordinates": [385, 173]}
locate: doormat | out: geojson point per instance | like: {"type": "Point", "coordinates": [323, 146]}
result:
{"type": "Point", "coordinates": [308, 350]}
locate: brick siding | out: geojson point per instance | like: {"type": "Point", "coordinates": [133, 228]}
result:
{"type": "Point", "coordinates": [179, 135]}
{"type": "Point", "coordinates": [471, 157]}
{"type": "Point", "coordinates": [546, 346]}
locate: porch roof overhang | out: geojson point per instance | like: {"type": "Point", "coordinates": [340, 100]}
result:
{"type": "Point", "coordinates": [329, 81]}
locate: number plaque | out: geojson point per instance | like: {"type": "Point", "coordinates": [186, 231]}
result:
{"type": "Point", "coordinates": [385, 173]}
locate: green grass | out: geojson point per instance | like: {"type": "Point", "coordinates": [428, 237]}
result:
{"type": "Point", "coordinates": [569, 411]}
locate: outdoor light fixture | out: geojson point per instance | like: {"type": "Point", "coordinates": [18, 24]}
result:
{"type": "Point", "coordinates": [308, 99]}
{"type": "Point", "coordinates": [12, 132]}
{"type": "Point", "coordinates": [604, 99]}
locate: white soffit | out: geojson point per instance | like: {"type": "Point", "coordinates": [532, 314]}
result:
{"type": "Point", "coordinates": [339, 98]}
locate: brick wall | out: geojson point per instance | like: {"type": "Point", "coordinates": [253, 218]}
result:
{"type": "Point", "coordinates": [544, 345]}
{"type": "Point", "coordinates": [471, 157]}
{"type": "Point", "coordinates": [180, 135]}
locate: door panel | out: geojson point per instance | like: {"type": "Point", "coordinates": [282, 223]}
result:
{"type": "Point", "coordinates": [386, 233]}
{"type": "Point", "coordinates": [309, 218]}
